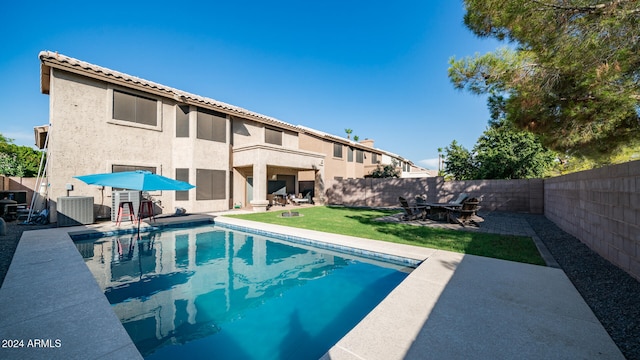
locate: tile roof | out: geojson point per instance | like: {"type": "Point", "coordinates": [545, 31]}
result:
{"type": "Point", "coordinates": [351, 142]}
{"type": "Point", "coordinates": [53, 59]}
{"type": "Point", "coordinates": [56, 60]}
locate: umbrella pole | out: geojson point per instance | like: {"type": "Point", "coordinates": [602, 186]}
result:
{"type": "Point", "coordinates": [139, 219]}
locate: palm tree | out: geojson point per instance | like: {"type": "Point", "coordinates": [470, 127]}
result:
{"type": "Point", "coordinates": [348, 131]}
{"type": "Point", "coordinates": [439, 159]}
{"type": "Point", "coordinates": [356, 137]}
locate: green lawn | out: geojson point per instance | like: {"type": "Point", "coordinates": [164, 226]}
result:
{"type": "Point", "coordinates": [360, 223]}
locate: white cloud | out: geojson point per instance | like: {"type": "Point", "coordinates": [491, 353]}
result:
{"type": "Point", "coordinates": [431, 164]}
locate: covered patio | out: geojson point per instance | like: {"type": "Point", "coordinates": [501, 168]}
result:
{"type": "Point", "coordinates": [262, 170]}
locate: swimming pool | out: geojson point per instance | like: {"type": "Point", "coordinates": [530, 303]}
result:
{"type": "Point", "coordinates": [212, 292]}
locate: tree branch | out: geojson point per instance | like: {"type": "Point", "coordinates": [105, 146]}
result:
{"type": "Point", "coordinates": [586, 9]}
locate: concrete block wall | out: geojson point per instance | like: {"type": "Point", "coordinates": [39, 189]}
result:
{"type": "Point", "coordinates": [8, 183]}
{"type": "Point", "coordinates": [379, 192]}
{"type": "Point", "coordinates": [4, 183]}
{"type": "Point", "coordinates": [601, 207]}
{"type": "Point", "coordinates": [501, 195]}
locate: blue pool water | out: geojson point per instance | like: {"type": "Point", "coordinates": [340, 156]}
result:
{"type": "Point", "coordinates": [213, 293]}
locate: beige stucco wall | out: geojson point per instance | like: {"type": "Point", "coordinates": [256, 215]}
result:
{"type": "Point", "coordinates": [338, 167]}
{"type": "Point", "coordinates": [85, 140]}
{"type": "Point", "coordinates": [246, 132]}
{"type": "Point", "coordinates": [332, 166]}
{"type": "Point", "coordinates": [249, 132]}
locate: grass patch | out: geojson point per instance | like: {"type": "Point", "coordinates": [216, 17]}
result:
{"type": "Point", "coordinates": [360, 223]}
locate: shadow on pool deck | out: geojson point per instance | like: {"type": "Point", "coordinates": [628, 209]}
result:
{"type": "Point", "coordinates": [451, 306]}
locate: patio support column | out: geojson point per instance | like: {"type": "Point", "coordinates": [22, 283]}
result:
{"type": "Point", "coordinates": [259, 201]}
{"type": "Point", "coordinates": [319, 187]}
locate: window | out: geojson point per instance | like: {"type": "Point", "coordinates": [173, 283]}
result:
{"type": "Point", "coordinates": [374, 158]}
{"type": "Point", "coordinates": [359, 156]}
{"type": "Point", "coordinates": [182, 121]}
{"type": "Point", "coordinates": [272, 136]}
{"type": "Point", "coordinates": [121, 168]}
{"type": "Point", "coordinates": [212, 126]}
{"type": "Point", "coordinates": [350, 154]}
{"type": "Point", "coordinates": [210, 184]}
{"type": "Point", "coordinates": [135, 108]}
{"type": "Point", "coordinates": [337, 150]}
{"type": "Point", "coordinates": [182, 175]}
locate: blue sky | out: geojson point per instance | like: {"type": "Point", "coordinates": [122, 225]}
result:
{"type": "Point", "coordinates": [377, 67]}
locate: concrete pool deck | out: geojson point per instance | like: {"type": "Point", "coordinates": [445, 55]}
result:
{"type": "Point", "coordinates": [451, 306]}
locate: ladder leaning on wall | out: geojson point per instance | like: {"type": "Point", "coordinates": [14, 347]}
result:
{"type": "Point", "coordinates": [42, 216]}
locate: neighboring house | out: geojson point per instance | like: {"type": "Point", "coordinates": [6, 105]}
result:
{"type": "Point", "coordinates": [106, 121]}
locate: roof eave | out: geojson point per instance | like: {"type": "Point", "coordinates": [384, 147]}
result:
{"type": "Point", "coordinates": [142, 85]}
{"type": "Point", "coordinates": [45, 72]}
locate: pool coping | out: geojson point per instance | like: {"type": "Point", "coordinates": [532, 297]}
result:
{"type": "Point", "coordinates": [51, 304]}
{"type": "Point", "coordinates": [50, 295]}
{"type": "Point", "coordinates": [337, 247]}
{"type": "Point", "coordinates": [465, 306]}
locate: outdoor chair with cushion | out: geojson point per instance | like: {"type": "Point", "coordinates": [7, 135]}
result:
{"type": "Point", "coordinates": [307, 199]}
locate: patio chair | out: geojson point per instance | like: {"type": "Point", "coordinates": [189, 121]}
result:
{"type": "Point", "coordinates": [465, 213]}
{"type": "Point", "coordinates": [421, 206]}
{"type": "Point", "coordinates": [440, 211]}
{"type": "Point", "coordinates": [309, 198]}
{"type": "Point", "coordinates": [409, 212]}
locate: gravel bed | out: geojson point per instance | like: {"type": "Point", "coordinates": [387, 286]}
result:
{"type": "Point", "coordinates": [612, 294]}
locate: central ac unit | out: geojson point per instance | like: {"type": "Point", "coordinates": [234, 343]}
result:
{"type": "Point", "coordinates": [123, 196]}
{"type": "Point", "coordinates": [75, 210]}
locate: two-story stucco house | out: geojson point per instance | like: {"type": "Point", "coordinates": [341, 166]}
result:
{"type": "Point", "coordinates": [102, 121]}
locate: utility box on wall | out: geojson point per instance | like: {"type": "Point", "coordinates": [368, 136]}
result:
{"type": "Point", "coordinates": [75, 210]}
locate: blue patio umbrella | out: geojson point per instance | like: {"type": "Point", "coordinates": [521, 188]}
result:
{"type": "Point", "coordinates": [135, 180]}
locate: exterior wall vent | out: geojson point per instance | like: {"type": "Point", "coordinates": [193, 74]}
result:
{"type": "Point", "coordinates": [75, 210]}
